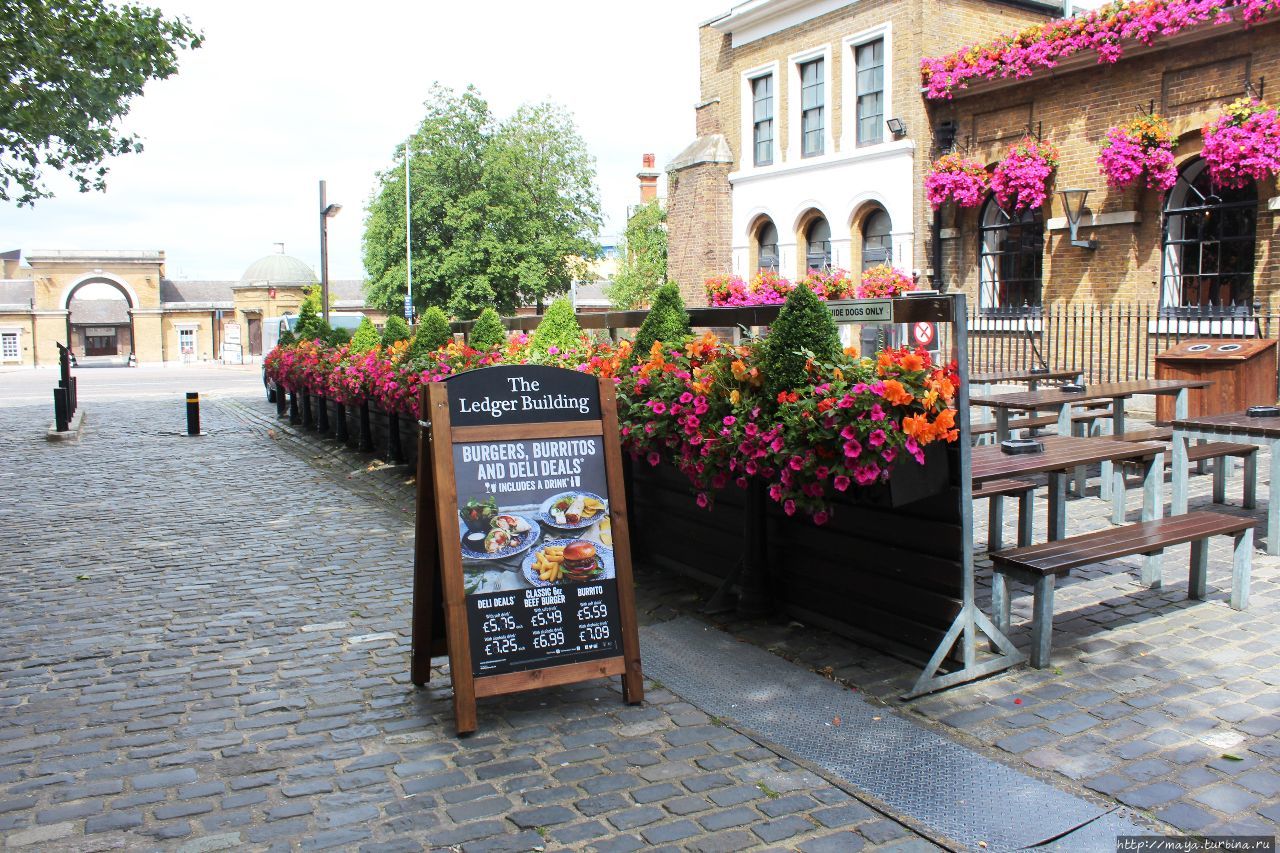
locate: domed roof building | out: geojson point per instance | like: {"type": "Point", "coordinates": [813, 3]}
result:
{"type": "Point", "coordinates": [279, 268]}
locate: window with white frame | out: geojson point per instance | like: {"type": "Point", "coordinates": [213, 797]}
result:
{"type": "Point", "coordinates": [812, 108]}
{"type": "Point", "coordinates": [869, 60]}
{"type": "Point", "coordinates": [762, 119]}
{"type": "Point", "coordinates": [817, 239]}
{"type": "Point", "coordinates": [187, 344]}
{"type": "Point", "coordinates": [9, 346]}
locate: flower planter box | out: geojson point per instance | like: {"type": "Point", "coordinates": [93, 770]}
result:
{"type": "Point", "coordinates": [886, 569]}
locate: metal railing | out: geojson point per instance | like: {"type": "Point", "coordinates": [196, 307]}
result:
{"type": "Point", "coordinates": [1109, 343]}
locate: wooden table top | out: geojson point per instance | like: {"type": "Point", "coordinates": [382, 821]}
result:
{"type": "Point", "coordinates": [1061, 453]}
{"type": "Point", "coordinates": [1235, 423]}
{"type": "Point", "coordinates": [1050, 397]}
{"type": "Point", "coordinates": [996, 376]}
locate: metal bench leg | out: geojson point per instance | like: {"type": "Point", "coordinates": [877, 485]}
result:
{"type": "Point", "coordinates": [1118, 493]}
{"type": "Point", "coordinates": [1000, 603]}
{"type": "Point", "coordinates": [1042, 622]}
{"type": "Point", "coordinates": [1241, 564]}
{"type": "Point", "coordinates": [995, 523]}
{"type": "Point", "coordinates": [1026, 517]}
{"type": "Point", "coordinates": [1197, 581]}
{"type": "Point", "coordinates": [1220, 479]}
{"type": "Point", "coordinates": [1153, 508]}
{"type": "Point", "coordinates": [1251, 481]}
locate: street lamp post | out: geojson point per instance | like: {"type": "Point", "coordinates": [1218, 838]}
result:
{"type": "Point", "coordinates": [327, 212]}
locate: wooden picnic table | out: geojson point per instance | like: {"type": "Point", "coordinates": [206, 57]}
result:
{"type": "Point", "coordinates": [1239, 427]}
{"type": "Point", "coordinates": [1033, 378]}
{"type": "Point", "coordinates": [1062, 454]}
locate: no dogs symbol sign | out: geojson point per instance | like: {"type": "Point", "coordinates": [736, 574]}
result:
{"type": "Point", "coordinates": [924, 335]}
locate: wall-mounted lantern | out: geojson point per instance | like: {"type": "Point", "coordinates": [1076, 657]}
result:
{"type": "Point", "coordinates": [1073, 204]}
{"type": "Point", "coordinates": [896, 127]}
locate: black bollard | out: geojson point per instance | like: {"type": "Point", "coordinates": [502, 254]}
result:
{"type": "Point", "coordinates": [61, 417]}
{"type": "Point", "coordinates": [295, 417]}
{"type": "Point", "coordinates": [193, 413]}
{"type": "Point", "coordinates": [322, 414]}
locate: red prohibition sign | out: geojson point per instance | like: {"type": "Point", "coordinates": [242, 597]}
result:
{"type": "Point", "coordinates": [923, 333]}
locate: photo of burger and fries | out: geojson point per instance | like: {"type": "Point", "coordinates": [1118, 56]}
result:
{"type": "Point", "coordinates": [494, 538]}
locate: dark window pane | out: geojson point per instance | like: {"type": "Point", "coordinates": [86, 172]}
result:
{"type": "Point", "coordinates": [870, 92]}
{"type": "Point", "coordinates": [1209, 242]}
{"type": "Point", "coordinates": [1011, 249]}
{"type": "Point", "coordinates": [811, 106]}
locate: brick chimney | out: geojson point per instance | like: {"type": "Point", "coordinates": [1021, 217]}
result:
{"type": "Point", "coordinates": [648, 176]}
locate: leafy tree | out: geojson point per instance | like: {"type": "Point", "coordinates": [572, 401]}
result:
{"type": "Point", "coordinates": [310, 324]}
{"type": "Point", "coordinates": [338, 337]}
{"type": "Point", "coordinates": [499, 211]}
{"type": "Point", "coordinates": [804, 327]}
{"type": "Point", "coordinates": [395, 330]}
{"type": "Point", "coordinates": [644, 259]}
{"type": "Point", "coordinates": [366, 337]}
{"type": "Point", "coordinates": [70, 70]}
{"type": "Point", "coordinates": [667, 322]}
{"type": "Point", "coordinates": [559, 328]}
{"type": "Point", "coordinates": [488, 332]}
{"type": "Point", "coordinates": [546, 212]}
{"type": "Point", "coordinates": [433, 332]}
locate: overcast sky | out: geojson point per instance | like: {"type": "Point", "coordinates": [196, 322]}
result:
{"type": "Point", "coordinates": [283, 94]}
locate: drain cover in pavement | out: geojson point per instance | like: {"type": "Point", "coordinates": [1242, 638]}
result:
{"type": "Point", "coordinates": [941, 787]}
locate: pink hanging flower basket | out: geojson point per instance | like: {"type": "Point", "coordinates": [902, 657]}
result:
{"type": "Point", "coordinates": [954, 178]}
{"type": "Point", "coordinates": [883, 281]}
{"type": "Point", "coordinates": [1243, 144]}
{"type": "Point", "coordinates": [1143, 146]}
{"type": "Point", "coordinates": [1021, 179]}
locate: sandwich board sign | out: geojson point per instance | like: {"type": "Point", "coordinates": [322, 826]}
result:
{"type": "Point", "coordinates": [522, 547]}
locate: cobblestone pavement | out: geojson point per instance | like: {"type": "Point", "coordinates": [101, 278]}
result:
{"type": "Point", "coordinates": [1166, 705]}
{"type": "Point", "coordinates": [204, 646]}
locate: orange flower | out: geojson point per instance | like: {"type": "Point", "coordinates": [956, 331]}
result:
{"type": "Point", "coordinates": [739, 369]}
{"type": "Point", "coordinates": [735, 396]}
{"type": "Point", "coordinates": [911, 361]}
{"type": "Point", "coordinates": [896, 394]}
{"type": "Point", "coordinates": [852, 352]}
{"type": "Point", "coordinates": [945, 425]}
{"type": "Point", "coordinates": [918, 427]}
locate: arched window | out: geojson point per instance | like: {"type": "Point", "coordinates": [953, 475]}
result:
{"type": "Point", "coordinates": [767, 247]}
{"type": "Point", "coordinates": [1011, 248]}
{"type": "Point", "coordinates": [877, 242]}
{"type": "Point", "coordinates": [817, 240]}
{"type": "Point", "coordinates": [1209, 243]}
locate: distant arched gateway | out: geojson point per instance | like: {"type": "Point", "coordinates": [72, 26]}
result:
{"type": "Point", "coordinates": [99, 310]}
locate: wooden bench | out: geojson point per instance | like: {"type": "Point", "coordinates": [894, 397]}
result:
{"type": "Point", "coordinates": [1157, 434]}
{"type": "Point", "coordinates": [1084, 420]}
{"type": "Point", "coordinates": [997, 491]}
{"type": "Point", "coordinates": [1220, 452]}
{"type": "Point", "coordinates": [1040, 565]}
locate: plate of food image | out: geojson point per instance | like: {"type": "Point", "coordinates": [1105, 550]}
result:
{"type": "Point", "coordinates": [576, 510]}
{"type": "Point", "coordinates": [564, 561]}
{"type": "Point", "coordinates": [508, 535]}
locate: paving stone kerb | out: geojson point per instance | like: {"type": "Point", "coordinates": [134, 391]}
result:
{"type": "Point", "coordinates": [1145, 688]}
{"type": "Point", "coordinates": [205, 646]}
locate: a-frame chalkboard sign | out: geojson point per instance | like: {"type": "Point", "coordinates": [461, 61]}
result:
{"type": "Point", "coordinates": [522, 545]}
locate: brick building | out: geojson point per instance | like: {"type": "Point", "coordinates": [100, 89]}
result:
{"type": "Point", "coordinates": [1192, 248]}
{"type": "Point", "coordinates": [812, 137]}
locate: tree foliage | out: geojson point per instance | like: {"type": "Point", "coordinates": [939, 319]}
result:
{"type": "Point", "coordinates": [433, 332]}
{"type": "Point", "coordinates": [488, 332]}
{"type": "Point", "coordinates": [559, 328]}
{"type": "Point", "coordinates": [804, 328]}
{"type": "Point", "coordinates": [366, 337]}
{"type": "Point", "coordinates": [643, 268]}
{"type": "Point", "coordinates": [667, 322]}
{"type": "Point", "coordinates": [70, 69]}
{"type": "Point", "coordinates": [310, 324]}
{"type": "Point", "coordinates": [502, 213]}
{"type": "Point", "coordinates": [395, 330]}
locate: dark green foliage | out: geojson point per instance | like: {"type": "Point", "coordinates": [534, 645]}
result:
{"type": "Point", "coordinates": [488, 332]}
{"type": "Point", "coordinates": [559, 328]}
{"type": "Point", "coordinates": [667, 322]}
{"type": "Point", "coordinates": [644, 259]}
{"type": "Point", "coordinates": [395, 330]}
{"type": "Point", "coordinates": [71, 71]}
{"type": "Point", "coordinates": [366, 337]}
{"type": "Point", "coordinates": [310, 324]}
{"type": "Point", "coordinates": [433, 333]}
{"type": "Point", "coordinates": [338, 337]}
{"type": "Point", "coordinates": [287, 339]}
{"type": "Point", "coordinates": [804, 327]}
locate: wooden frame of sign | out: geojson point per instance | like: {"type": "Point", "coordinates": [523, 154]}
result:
{"type": "Point", "coordinates": [544, 441]}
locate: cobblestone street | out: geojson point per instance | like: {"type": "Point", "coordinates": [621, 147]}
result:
{"type": "Point", "coordinates": [204, 646]}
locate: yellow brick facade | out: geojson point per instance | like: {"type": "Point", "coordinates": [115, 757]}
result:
{"type": "Point", "coordinates": [1188, 79]}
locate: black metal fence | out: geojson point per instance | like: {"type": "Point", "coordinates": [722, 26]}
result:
{"type": "Point", "coordinates": [1108, 343]}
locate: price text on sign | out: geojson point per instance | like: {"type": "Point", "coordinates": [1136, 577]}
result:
{"type": "Point", "coordinates": [861, 310]}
